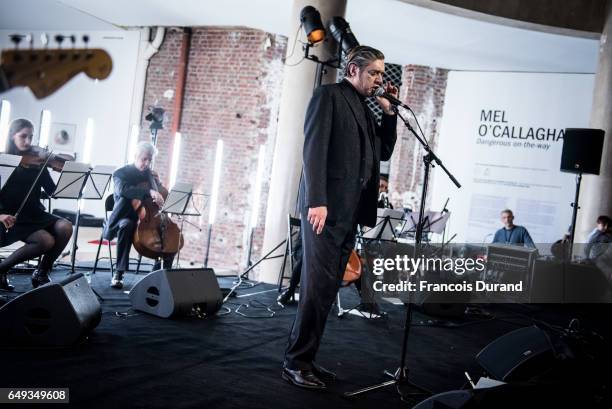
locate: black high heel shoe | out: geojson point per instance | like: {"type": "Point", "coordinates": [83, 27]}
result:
{"type": "Point", "coordinates": [40, 278]}
{"type": "Point", "coordinates": [4, 283]}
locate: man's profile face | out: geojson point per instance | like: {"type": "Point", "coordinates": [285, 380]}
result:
{"type": "Point", "coordinates": [507, 219]}
{"type": "Point", "coordinates": [367, 79]}
{"type": "Point", "coordinates": [383, 186]}
{"type": "Point", "coordinates": [143, 161]}
{"type": "Point", "coordinates": [602, 227]}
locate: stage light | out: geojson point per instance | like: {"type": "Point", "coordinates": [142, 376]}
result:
{"type": "Point", "coordinates": [312, 24]}
{"type": "Point", "coordinates": [156, 116]}
{"type": "Point", "coordinates": [342, 33]}
{"type": "Point", "coordinates": [176, 151]}
{"type": "Point", "coordinates": [257, 193]}
{"type": "Point", "coordinates": [133, 143]}
{"type": "Point", "coordinates": [5, 116]}
{"type": "Point", "coordinates": [89, 131]}
{"type": "Point", "coordinates": [216, 180]}
{"type": "Point", "coordinates": [45, 127]}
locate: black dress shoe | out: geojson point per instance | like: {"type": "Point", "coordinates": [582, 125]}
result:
{"type": "Point", "coordinates": [4, 283]}
{"type": "Point", "coordinates": [117, 280]}
{"type": "Point", "coordinates": [286, 297]}
{"type": "Point", "coordinates": [321, 372]}
{"type": "Point", "coordinates": [303, 378]}
{"type": "Point", "coordinates": [40, 278]}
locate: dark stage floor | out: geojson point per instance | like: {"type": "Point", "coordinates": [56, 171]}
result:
{"type": "Point", "coordinates": [231, 361]}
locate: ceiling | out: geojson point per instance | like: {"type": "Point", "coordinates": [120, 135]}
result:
{"type": "Point", "coordinates": [407, 33]}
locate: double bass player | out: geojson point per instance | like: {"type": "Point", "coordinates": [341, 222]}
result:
{"type": "Point", "coordinates": [122, 223]}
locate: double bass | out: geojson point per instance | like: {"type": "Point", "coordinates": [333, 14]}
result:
{"type": "Point", "coordinates": [156, 235]}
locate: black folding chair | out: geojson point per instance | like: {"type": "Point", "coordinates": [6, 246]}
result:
{"type": "Point", "coordinates": [109, 203]}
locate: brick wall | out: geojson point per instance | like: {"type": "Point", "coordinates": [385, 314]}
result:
{"type": "Point", "coordinates": [423, 90]}
{"type": "Point", "coordinates": [232, 92]}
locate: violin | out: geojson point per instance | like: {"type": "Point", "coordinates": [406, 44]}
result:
{"type": "Point", "coordinates": [39, 158]}
{"type": "Point", "coordinates": [36, 157]}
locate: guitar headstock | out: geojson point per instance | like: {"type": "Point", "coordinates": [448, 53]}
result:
{"type": "Point", "coordinates": [44, 71]}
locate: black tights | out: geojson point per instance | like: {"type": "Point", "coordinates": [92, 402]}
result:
{"type": "Point", "coordinates": [42, 242]}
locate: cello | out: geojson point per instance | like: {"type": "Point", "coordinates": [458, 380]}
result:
{"type": "Point", "coordinates": [156, 235]}
{"type": "Point", "coordinates": [352, 272]}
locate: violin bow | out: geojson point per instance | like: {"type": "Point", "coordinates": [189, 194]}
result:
{"type": "Point", "coordinates": [25, 199]}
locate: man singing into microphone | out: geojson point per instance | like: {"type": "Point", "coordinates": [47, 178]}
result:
{"type": "Point", "coordinates": [343, 147]}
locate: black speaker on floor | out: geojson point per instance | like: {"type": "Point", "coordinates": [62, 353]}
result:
{"type": "Point", "coordinates": [449, 305]}
{"type": "Point", "coordinates": [167, 293]}
{"type": "Point", "coordinates": [582, 148]}
{"type": "Point", "coordinates": [56, 314]}
{"type": "Point", "coordinates": [518, 355]}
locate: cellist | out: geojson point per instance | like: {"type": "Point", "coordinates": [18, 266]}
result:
{"type": "Point", "coordinates": [43, 233]}
{"type": "Point", "coordinates": [123, 219]}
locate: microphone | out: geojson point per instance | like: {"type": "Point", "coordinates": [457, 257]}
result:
{"type": "Point", "coordinates": [380, 92]}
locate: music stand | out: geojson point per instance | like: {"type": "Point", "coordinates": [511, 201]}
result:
{"type": "Point", "coordinates": [384, 228]}
{"type": "Point", "coordinates": [98, 181]}
{"type": "Point", "coordinates": [434, 219]}
{"type": "Point", "coordinates": [178, 200]}
{"type": "Point", "coordinates": [8, 163]}
{"type": "Point", "coordinates": [70, 185]}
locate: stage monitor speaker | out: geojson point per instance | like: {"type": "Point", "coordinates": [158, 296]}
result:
{"type": "Point", "coordinates": [582, 148]}
{"type": "Point", "coordinates": [506, 396]}
{"type": "Point", "coordinates": [55, 314]}
{"type": "Point", "coordinates": [518, 355]}
{"type": "Point", "coordinates": [446, 305]}
{"type": "Point", "coordinates": [167, 293]}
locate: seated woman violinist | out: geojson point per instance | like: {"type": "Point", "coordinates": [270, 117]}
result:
{"type": "Point", "coordinates": [44, 234]}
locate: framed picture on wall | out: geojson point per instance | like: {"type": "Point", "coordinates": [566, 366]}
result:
{"type": "Point", "coordinates": [62, 137]}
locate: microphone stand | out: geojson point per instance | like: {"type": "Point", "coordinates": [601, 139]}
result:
{"type": "Point", "coordinates": [400, 376]}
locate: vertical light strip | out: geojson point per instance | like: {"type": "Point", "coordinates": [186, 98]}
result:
{"type": "Point", "coordinates": [257, 193]}
{"type": "Point", "coordinates": [216, 179]}
{"type": "Point", "coordinates": [133, 143]}
{"type": "Point", "coordinates": [176, 152]}
{"type": "Point", "coordinates": [45, 128]}
{"type": "Point", "coordinates": [5, 116]}
{"type": "Point", "coordinates": [89, 132]}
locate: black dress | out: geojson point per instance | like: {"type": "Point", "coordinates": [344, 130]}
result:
{"type": "Point", "coordinates": [33, 216]}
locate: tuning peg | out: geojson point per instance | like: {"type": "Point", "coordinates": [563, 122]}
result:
{"type": "Point", "coordinates": [30, 40]}
{"type": "Point", "coordinates": [16, 39]}
{"type": "Point", "coordinates": [44, 39]}
{"type": "Point", "coordinates": [59, 39]}
{"type": "Point", "coordinates": [86, 40]}
{"type": "Point", "coordinates": [72, 40]}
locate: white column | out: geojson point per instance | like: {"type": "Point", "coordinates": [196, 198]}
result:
{"type": "Point", "coordinates": [298, 84]}
{"type": "Point", "coordinates": [596, 191]}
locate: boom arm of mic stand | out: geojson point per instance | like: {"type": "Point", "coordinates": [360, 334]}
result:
{"type": "Point", "coordinates": [433, 157]}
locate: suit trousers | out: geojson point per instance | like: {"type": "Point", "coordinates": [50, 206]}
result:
{"type": "Point", "coordinates": [324, 260]}
{"type": "Point", "coordinates": [125, 237]}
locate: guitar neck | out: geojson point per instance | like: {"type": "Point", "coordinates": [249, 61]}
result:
{"type": "Point", "coordinates": [44, 71]}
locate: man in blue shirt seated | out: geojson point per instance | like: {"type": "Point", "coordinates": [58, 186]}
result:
{"type": "Point", "coordinates": [599, 239]}
{"type": "Point", "coordinates": [512, 234]}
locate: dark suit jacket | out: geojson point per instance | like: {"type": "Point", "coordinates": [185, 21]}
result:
{"type": "Point", "coordinates": [336, 131]}
{"type": "Point", "coordinates": [125, 180]}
